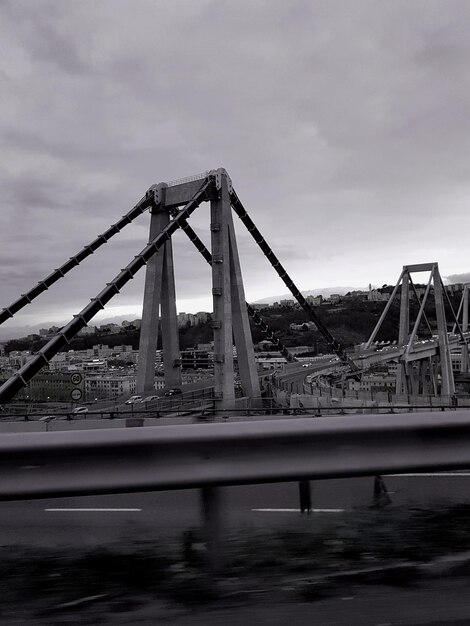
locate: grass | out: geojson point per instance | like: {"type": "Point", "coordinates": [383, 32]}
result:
{"type": "Point", "coordinates": [307, 558]}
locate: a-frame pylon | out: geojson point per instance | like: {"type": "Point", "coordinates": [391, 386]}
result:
{"type": "Point", "coordinates": [230, 318]}
{"type": "Point", "coordinates": [230, 321]}
{"type": "Point", "coordinates": [159, 291]}
{"type": "Point", "coordinates": [406, 378]}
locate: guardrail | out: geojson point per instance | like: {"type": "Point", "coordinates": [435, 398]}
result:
{"type": "Point", "coordinates": [38, 465]}
{"type": "Point", "coordinates": [209, 412]}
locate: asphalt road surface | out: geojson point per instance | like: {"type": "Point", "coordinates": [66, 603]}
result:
{"type": "Point", "coordinates": [108, 518]}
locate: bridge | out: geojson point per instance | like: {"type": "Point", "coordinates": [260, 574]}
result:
{"type": "Point", "coordinates": [424, 366]}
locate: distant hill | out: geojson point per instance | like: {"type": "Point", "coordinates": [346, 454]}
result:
{"type": "Point", "coordinates": [325, 292]}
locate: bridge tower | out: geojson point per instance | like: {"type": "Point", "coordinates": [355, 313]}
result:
{"type": "Point", "coordinates": [463, 311]}
{"type": "Point", "coordinates": [418, 372]}
{"type": "Point", "coordinates": [170, 205]}
{"type": "Point", "coordinates": [230, 318]}
{"type": "Point", "coordinates": [159, 293]}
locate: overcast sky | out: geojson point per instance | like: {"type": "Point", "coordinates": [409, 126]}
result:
{"type": "Point", "coordinates": [344, 126]}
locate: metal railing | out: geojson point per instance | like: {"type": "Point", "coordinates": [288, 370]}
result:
{"type": "Point", "coordinates": [188, 179]}
{"type": "Point", "coordinates": [208, 455]}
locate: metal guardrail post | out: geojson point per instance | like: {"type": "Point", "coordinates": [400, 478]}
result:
{"type": "Point", "coordinates": [211, 510]}
{"type": "Point", "coordinates": [131, 422]}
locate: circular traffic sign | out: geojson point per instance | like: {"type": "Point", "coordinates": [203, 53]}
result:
{"type": "Point", "coordinates": [76, 378]}
{"type": "Point", "coordinates": [76, 394]}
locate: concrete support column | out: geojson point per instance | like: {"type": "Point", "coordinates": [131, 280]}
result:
{"type": "Point", "coordinates": [426, 377]}
{"type": "Point", "coordinates": [212, 529]}
{"type": "Point", "coordinates": [145, 383]}
{"type": "Point", "coordinates": [447, 376]}
{"type": "Point", "coordinates": [404, 324]}
{"type": "Point", "coordinates": [465, 309]}
{"type": "Point", "coordinates": [434, 380]}
{"type": "Point", "coordinates": [159, 290]}
{"type": "Point", "coordinates": [241, 324]}
{"type": "Point", "coordinates": [403, 329]}
{"type": "Point", "coordinates": [464, 360]}
{"type": "Point", "coordinates": [170, 336]}
{"type": "Point", "coordinates": [222, 296]}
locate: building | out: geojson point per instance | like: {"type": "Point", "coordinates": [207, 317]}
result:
{"type": "Point", "coordinates": [314, 300]}
{"type": "Point", "coordinates": [202, 317]}
{"type": "Point", "coordinates": [53, 387]}
{"type": "Point", "coordinates": [301, 349]}
{"type": "Point", "coordinates": [130, 326]}
{"type": "Point", "coordinates": [374, 382]}
{"type": "Point", "coordinates": [196, 359]}
{"type": "Point", "coordinates": [376, 296]}
{"type": "Point", "coordinates": [108, 386]}
{"type": "Point", "coordinates": [87, 331]}
{"type": "Point", "coordinates": [269, 362]}
{"type": "Point", "coordinates": [110, 329]}
{"type": "Point", "coordinates": [95, 366]}
{"type": "Point", "coordinates": [18, 358]}
{"type": "Point", "coordinates": [100, 351]}
{"type": "Point", "coordinates": [335, 297]}
{"type": "Point", "coordinates": [305, 326]}
{"type": "Point", "coordinates": [455, 288]}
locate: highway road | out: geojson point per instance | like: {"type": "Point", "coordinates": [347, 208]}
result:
{"type": "Point", "coordinates": [102, 519]}
{"type": "Point", "coordinates": [294, 374]}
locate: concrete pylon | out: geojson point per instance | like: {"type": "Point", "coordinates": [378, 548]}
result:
{"type": "Point", "coordinates": [403, 330]}
{"type": "Point", "coordinates": [241, 324]}
{"type": "Point", "coordinates": [224, 392]}
{"type": "Point", "coordinates": [465, 357]}
{"type": "Point", "coordinates": [447, 376]}
{"type": "Point", "coordinates": [230, 316]}
{"type": "Point", "coordinates": [159, 291]}
{"type": "Point", "coordinates": [465, 309]}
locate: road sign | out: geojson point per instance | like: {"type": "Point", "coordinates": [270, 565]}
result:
{"type": "Point", "coordinates": [76, 378]}
{"type": "Point", "coordinates": [76, 394]}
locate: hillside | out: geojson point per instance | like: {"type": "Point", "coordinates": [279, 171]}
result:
{"type": "Point", "coordinates": [350, 321]}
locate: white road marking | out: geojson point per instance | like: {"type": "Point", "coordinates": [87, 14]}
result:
{"type": "Point", "coordinates": [431, 474]}
{"type": "Point", "coordinates": [92, 510]}
{"type": "Point", "coordinates": [68, 605]}
{"type": "Point", "coordinates": [297, 510]}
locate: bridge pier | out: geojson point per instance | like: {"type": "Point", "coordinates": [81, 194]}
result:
{"type": "Point", "coordinates": [212, 529]}
{"type": "Point", "coordinates": [447, 376]}
{"type": "Point", "coordinates": [159, 292]}
{"type": "Point", "coordinates": [230, 320]}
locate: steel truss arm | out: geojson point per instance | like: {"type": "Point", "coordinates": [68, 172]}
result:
{"type": "Point", "coordinates": [385, 311]}
{"type": "Point", "coordinates": [336, 346]}
{"type": "Point", "coordinates": [21, 378]}
{"type": "Point", "coordinates": [456, 321]}
{"type": "Point", "coordinates": [419, 302]}
{"type": "Point", "coordinates": [251, 311]}
{"type": "Point", "coordinates": [459, 310]}
{"type": "Point", "coordinates": [74, 261]}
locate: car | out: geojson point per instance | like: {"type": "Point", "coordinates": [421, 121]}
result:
{"type": "Point", "coordinates": [80, 409]}
{"type": "Point", "coordinates": [134, 399]}
{"type": "Point", "coordinates": [47, 418]}
{"type": "Point", "coordinates": [150, 398]}
{"type": "Point", "coordinates": [173, 392]}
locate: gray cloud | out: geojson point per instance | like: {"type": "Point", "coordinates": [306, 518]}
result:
{"type": "Point", "coordinates": [344, 127]}
{"type": "Point", "coordinates": [458, 278]}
